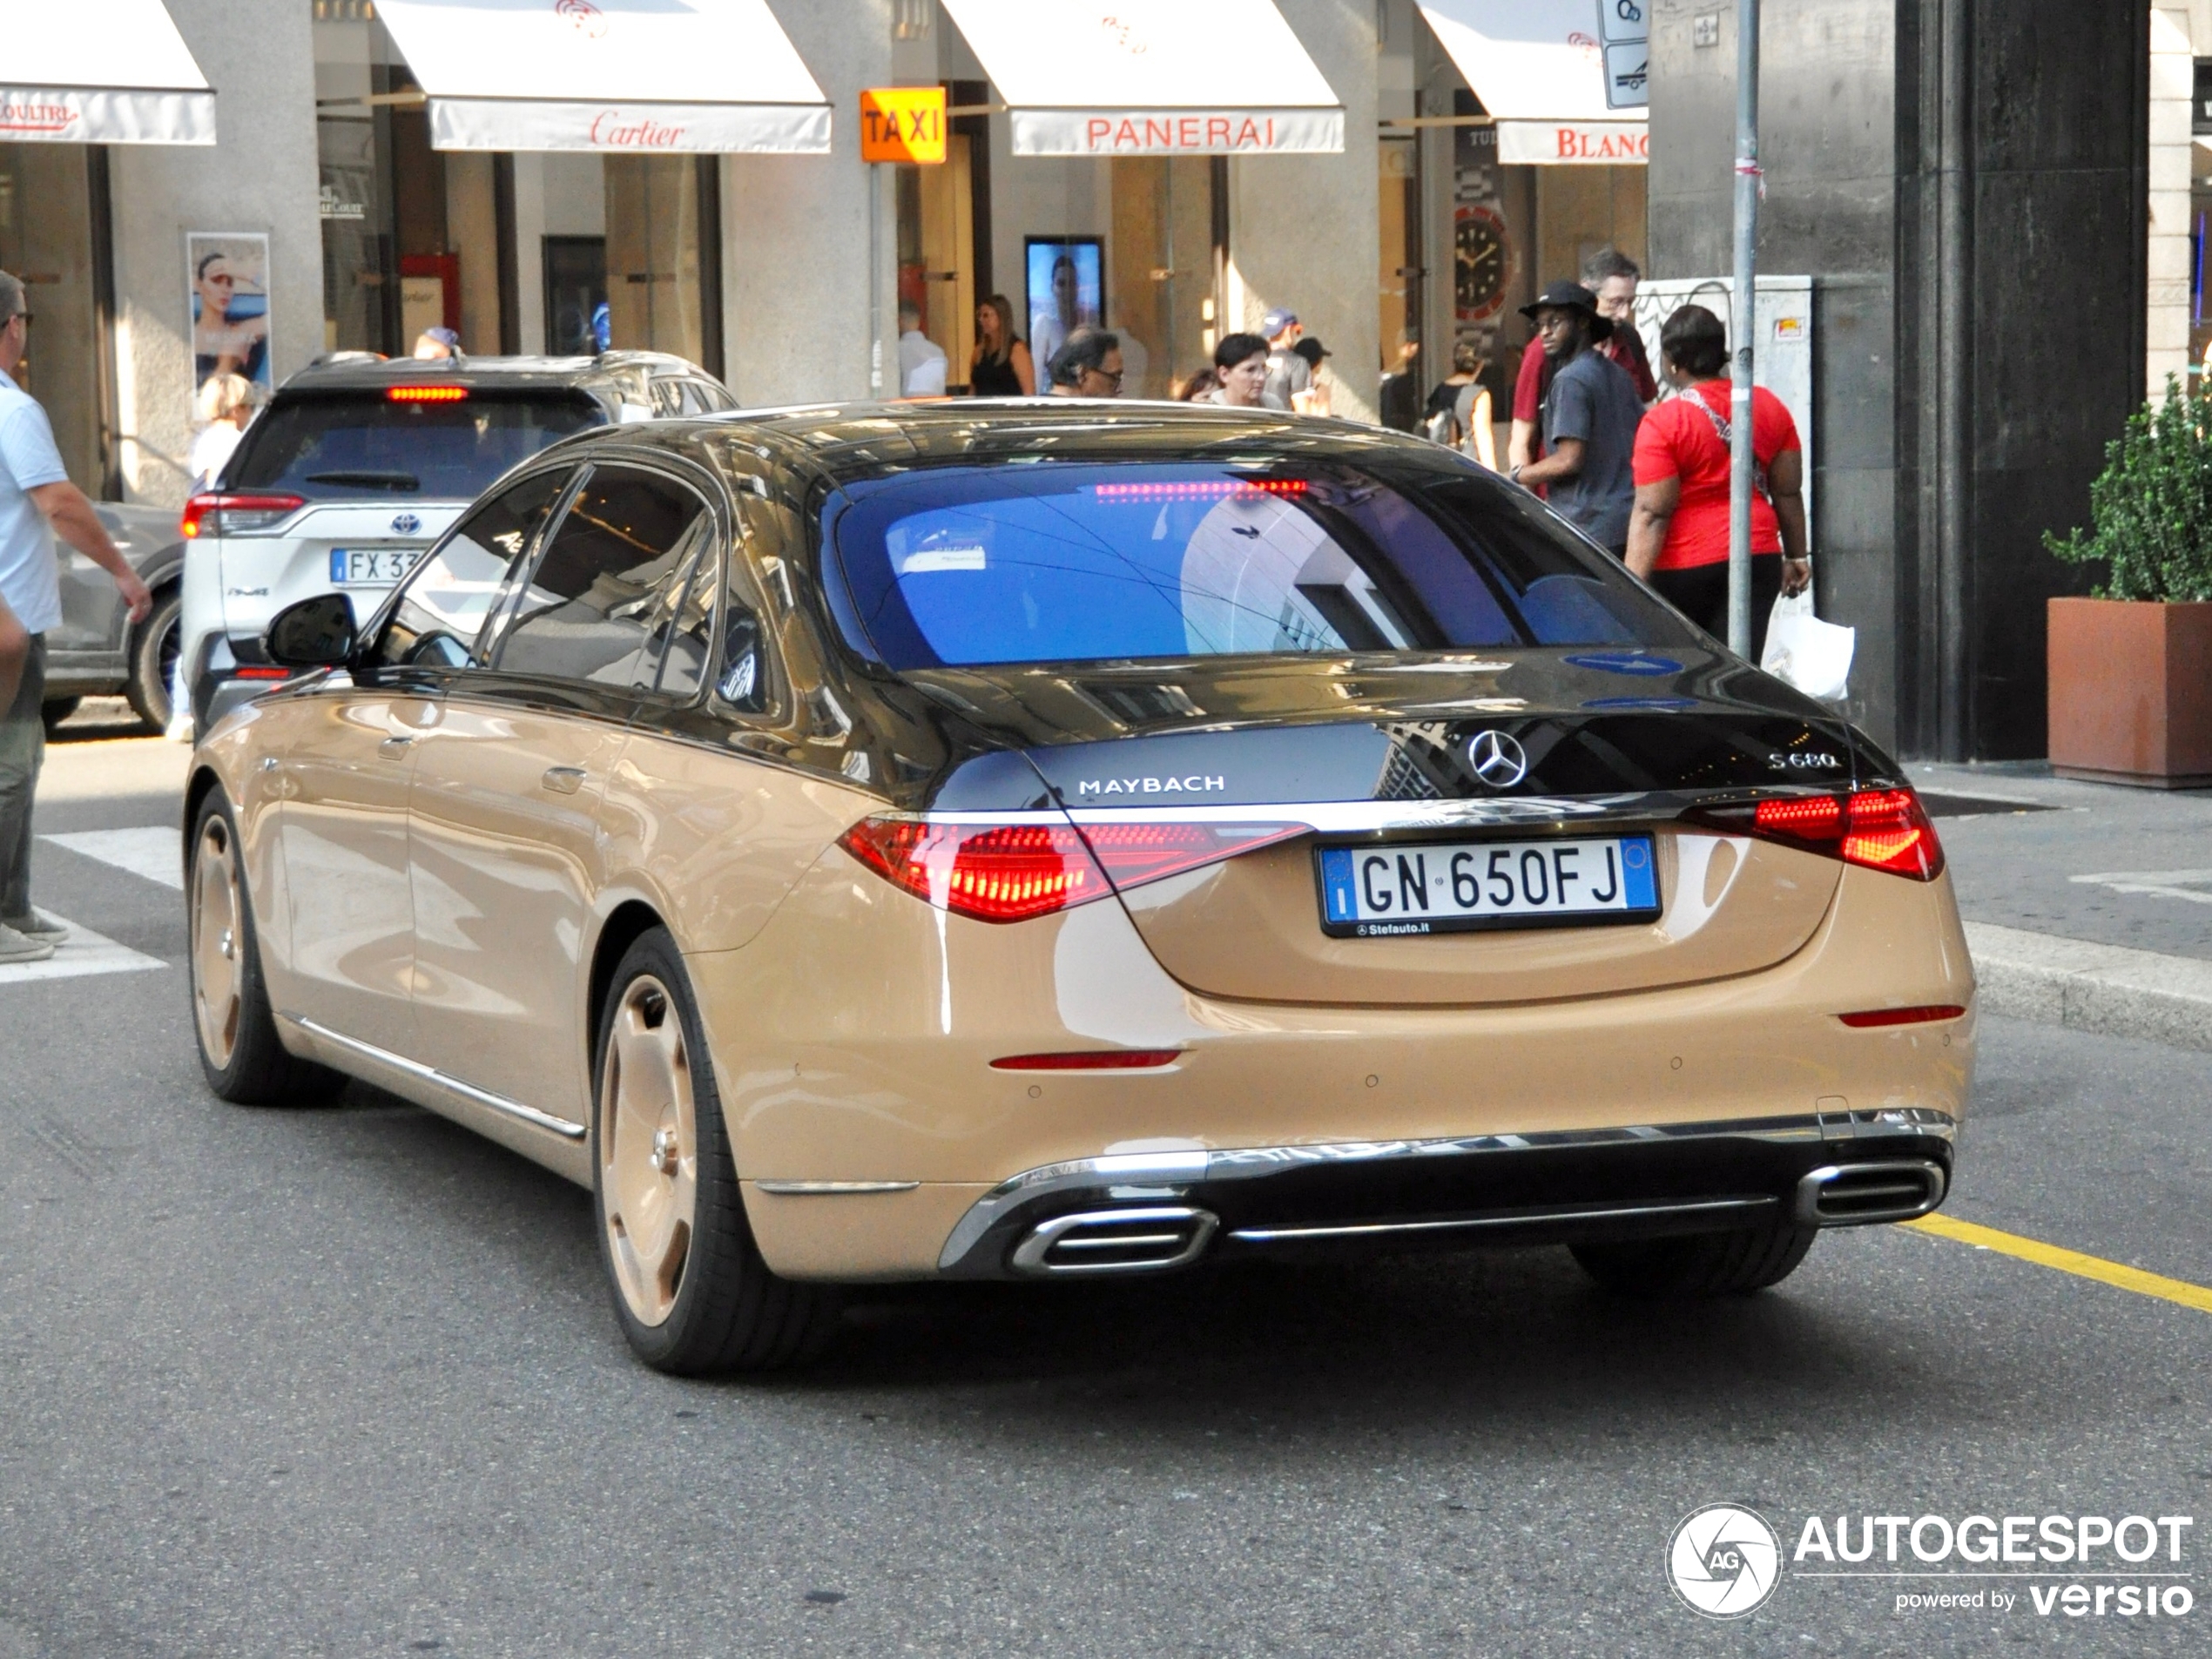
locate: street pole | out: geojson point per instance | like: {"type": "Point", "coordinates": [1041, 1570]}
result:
{"type": "Point", "coordinates": [1743, 309]}
{"type": "Point", "coordinates": [875, 280]}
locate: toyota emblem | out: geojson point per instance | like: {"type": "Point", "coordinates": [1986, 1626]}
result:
{"type": "Point", "coordinates": [405, 523]}
{"type": "Point", "coordinates": [1499, 760]}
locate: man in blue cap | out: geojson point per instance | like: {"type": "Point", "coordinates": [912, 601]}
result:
{"type": "Point", "coordinates": [1287, 372]}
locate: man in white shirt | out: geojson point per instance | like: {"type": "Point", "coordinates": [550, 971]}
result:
{"type": "Point", "coordinates": [921, 360]}
{"type": "Point", "coordinates": [37, 500]}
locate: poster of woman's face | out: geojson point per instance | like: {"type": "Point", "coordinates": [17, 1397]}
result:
{"type": "Point", "coordinates": [229, 307]}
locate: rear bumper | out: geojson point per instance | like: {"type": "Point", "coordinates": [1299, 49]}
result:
{"type": "Point", "coordinates": [1145, 1212]}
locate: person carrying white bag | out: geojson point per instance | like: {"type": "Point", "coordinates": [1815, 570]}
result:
{"type": "Point", "coordinates": [1678, 529]}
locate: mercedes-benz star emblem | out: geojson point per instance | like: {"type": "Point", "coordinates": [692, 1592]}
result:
{"type": "Point", "coordinates": [1499, 760]}
{"type": "Point", "coordinates": [405, 524]}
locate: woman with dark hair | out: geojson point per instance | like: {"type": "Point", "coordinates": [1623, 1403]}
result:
{"type": "Point", "coordinates": [1240, 365]}
{"type": "Point", "coordinates": [1000, 365]}
{"type": "Point", "coordinates": [1678, 531]}
{"type": "Point", "coordinates": [1202, 381]}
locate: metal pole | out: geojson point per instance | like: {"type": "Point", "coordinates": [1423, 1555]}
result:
{"type": "Point", "coordinates": [1745, 465]}
{"type": "Point", "coordinates": [875, 280]}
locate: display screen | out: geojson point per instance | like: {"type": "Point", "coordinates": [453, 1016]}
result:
{"type": "Point", "coordinates": [1066, 278]}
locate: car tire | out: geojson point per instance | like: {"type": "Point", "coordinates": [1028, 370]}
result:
{"type": "Point", "coordinates": [1698, 1265]}
{"type": "Point", "coordinates": [154, 647]}
{"type": "Point", "coordinates": [690, 1288]}
{"type": "Point", "coordinates": [54, 709]}
{"type": "Point", "coordinates": [240, 1054]}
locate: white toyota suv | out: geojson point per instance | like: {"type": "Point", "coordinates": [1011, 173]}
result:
{"type": "Point", "coordinates": [358, 465]}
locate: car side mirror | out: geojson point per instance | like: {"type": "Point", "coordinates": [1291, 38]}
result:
{"type": "Point", "coordinates": [740, 683]}
{"type": "Point", "coordinates": [312, 633]}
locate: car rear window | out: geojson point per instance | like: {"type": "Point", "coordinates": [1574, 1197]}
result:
{"type": "Point", "coordinates": [368, 444]}
{"type": "Point", "coordinates": [1067, 562]}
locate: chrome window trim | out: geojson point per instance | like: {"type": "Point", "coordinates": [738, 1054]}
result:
{"type": "Point", "coordinates": [1164, 1174]}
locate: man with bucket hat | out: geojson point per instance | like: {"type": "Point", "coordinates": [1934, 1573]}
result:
{"type": "Point", "coordinates": [1588, 419]}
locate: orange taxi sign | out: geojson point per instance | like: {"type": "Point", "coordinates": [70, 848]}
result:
{"type": "Point", "coordinates": [902, 124]}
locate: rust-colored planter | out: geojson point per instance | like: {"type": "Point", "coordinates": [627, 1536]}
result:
{"type": "Point", "coordinates": [2131, 691]}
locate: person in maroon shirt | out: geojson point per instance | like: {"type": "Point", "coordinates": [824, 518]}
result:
{"type": "Point", "coordinates": [1612, 275]}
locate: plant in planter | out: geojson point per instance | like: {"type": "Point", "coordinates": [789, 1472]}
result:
{"type": "Point", "coordinates": [2131, 667]}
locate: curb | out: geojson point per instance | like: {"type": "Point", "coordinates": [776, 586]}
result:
{"type": "Point", "coordinates": [2084, 987]}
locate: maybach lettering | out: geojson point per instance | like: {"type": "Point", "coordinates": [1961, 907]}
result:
{"type": "Point", "coordinates": [1194, 785]}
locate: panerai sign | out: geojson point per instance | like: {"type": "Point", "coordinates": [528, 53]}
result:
{"type": "Point", "coordinates": [1178, 132]}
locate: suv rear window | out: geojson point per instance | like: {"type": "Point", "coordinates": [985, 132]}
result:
{"type": "Point", "coordinates": [1067, 562]}
{"type": "Point", "coordinates": [367, 444]}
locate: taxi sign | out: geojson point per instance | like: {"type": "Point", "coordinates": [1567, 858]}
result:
{"type": "Point", "coordinates": [902, 124]}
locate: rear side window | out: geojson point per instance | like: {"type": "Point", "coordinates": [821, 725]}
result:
{"type": "Point", "coordinates": [608, 589]}
{"type": "Point", "coordinates": [367, 444]}
{"type": "Point", "coordinates": [1078, 563]}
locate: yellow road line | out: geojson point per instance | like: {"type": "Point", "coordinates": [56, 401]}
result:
{"type": "Point", "coordinates": [2068, 1261]}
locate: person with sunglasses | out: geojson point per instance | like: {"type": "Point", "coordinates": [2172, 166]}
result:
{"type": "Point", "coordinates": [1088, 364]}
{"type": "Point", "coordinates": [36, 501]}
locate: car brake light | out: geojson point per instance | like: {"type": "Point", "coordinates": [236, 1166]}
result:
{"type": "Point", "coordinates": [427, 394]}
{"type": "Point", "coordinates": [1871, 1018]}
{"type": "Point", "coordinates": [1013, 871]}
{"type": "Point", "coordinates": [228, 514]}
{"type": "Point", "coordinates": [251, 673]}
{"type": "Point", "coordinates": [1878, 829]}
{"type": "Point", "coordinates": [1090, 1060]}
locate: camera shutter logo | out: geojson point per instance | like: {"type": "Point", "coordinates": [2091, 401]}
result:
{"type": "Point", "coordinates": [1498, 760]}
{"type": "Point", "coordinates": [1724, 1560]}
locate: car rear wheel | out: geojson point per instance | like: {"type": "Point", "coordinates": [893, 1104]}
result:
{"type": "Point", "coordinates": [1700, 1264]}
{"type": "Point", "coordinates": [153, 660]}
{"type": "Point", "coordinates": [691, 1290]}
{"type": "Point", "coordinates": [238, 1050]}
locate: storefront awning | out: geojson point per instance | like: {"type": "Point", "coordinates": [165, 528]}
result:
{"type": "Point", "coordinates": [1152, 78]}
{"type": "Point", "coordinates": [1539, 72]}
{"type": "Point", "coordinates": [100, 72]}
{"type": "Point", "coordinates": [641, 76]}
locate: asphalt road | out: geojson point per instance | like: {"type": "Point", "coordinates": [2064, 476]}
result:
{"type": "Point", "coordinates": [343, 1381]}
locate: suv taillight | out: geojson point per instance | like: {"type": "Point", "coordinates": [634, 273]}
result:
{"type": "Point", "coordinates": [1876, 829]}
{"type": "Point", "coordinates": [1014, 872]}
{"type": "Point", "coordinates": [228, 514]}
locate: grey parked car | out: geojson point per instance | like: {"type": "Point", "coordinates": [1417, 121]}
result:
{"type": "Point", "coordinates": [96, 651]}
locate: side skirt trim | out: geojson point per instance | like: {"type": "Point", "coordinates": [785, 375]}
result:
{"type": "Point", "coordinates": [500, 1103]}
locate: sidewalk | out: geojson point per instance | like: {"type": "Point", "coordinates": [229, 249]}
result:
{"type": "Point", "coordinates": [2087, 905]}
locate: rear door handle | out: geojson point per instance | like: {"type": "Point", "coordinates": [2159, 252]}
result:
{"type": "Point", "coordinates": [563, 781]}
{"type": "Point", "coordinates": [394, 748]}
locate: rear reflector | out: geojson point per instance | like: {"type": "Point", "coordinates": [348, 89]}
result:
{"type": "Point", "coordinates": [228, 514]}
{"type": "Point", "coordinates": [1878, 829]}
{"type": "Point", "coordinates": [1013, 871]}
{"type": "Point", "coordinates": [427, 394]}
{"type": "Point", "coordinates": [1091, 1060]}
{"type": "Point", "coordinates": [1925, 1015]}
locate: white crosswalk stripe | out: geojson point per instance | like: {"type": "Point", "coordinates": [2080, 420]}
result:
{"type": "Point", "coordinates": [83, 952]}
{"type": "Point", "coordinates": [156, 854]}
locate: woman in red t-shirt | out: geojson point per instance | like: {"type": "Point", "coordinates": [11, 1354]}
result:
{"type": "Point", "coordinates": [1678, 533]}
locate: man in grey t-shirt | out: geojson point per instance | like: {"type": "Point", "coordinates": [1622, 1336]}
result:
{"type": "Point", "coordinates": [1589, 421]}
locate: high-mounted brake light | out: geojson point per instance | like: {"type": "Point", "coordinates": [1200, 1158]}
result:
{"type": "Point", "coordinates": [1013, 871]}
{"type": "Point", "coordinates": [1199, 490]}
{"type": "Point", "coordinates": [228, 514]}
{"type": "Point", "coordinates": [427, 394]}
{"type": "Point", "coordinates": [1876, 829]}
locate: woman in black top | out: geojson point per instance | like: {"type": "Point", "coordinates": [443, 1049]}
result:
{"type": "Point", "coordinates": [1000, 365]}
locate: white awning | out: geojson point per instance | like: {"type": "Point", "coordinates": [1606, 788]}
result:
{"type": "Point", "coordinates": [629, 77]}
{"type": "Point", "coordinates": [1539, 72]}
{"type": "Point", "coordinates": [100, 72]}
{"type": "Point", "coordinates": [1152, 78]}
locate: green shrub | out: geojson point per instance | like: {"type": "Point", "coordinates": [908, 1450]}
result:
{"type": "Point", "coordinates": [2150, 510]}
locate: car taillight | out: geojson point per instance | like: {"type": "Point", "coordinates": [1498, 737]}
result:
{"type": "Point", "coordinates": [1014, 872]}
{"type": "Point", "coordinates": [1878, 829]}
{"type": "Point", "coordinates": [227, 513]}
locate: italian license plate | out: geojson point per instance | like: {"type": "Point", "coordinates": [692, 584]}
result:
{"type": "Point", "coordinates": [1375, 891]}
{"type": "Point", "coordinates": [371, 567]}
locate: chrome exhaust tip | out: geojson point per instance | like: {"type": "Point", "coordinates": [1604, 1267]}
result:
{"type": "Point", "coordinates": [1854, 1194]}
{"type": "Point", "coordinates": [1115, 1241]}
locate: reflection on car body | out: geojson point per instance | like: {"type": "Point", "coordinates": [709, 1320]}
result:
{"type": "Point", "coordinates": [869, 844]}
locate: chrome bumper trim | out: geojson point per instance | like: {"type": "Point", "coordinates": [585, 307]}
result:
{"type": "Point", "coordinates": [500, 1103]}
{"type": "Point", "coordinates": [1134, 1177]}
{"type": "Point", "coordinates": [1520, 1219]}
{"type": "Point", "coordinates": [831, 1189]}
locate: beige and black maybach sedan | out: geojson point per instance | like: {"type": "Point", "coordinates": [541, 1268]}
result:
{"type": "Point", "coordinates": [1027, 840]}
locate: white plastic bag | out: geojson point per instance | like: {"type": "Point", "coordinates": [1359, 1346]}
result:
{"type": "Point", "coordinates": [1812, 655]}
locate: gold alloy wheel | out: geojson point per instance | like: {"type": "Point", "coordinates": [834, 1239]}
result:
{"type": "Point", "coordinates": [649, 1160]}
{"type": "Point", "coordinates": [216, 943]}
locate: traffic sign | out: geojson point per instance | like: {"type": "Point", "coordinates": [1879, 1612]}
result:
{"type": "Point", "coordinates": [902, 124]}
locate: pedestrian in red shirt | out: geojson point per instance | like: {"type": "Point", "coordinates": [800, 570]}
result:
{"type": "Point", "coordinates": [1678, 531]}
{"type": "Point", "coordinates": [1612, 275]}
